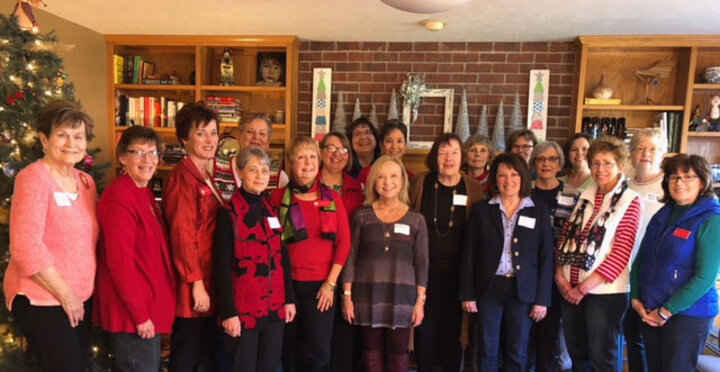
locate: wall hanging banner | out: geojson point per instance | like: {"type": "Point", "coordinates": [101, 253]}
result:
{"type": "Point", "coordinates": [322, 89]}
{"type": "Point", "coordinates": [538, 103]}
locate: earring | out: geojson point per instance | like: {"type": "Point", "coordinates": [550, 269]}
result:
{"type": "Point", "coordinates": [44, 150]}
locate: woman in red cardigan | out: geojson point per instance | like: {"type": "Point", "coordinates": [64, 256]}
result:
{"type": "Point", "coordinates": [252, 270]}
{"type": "Point", "coordinates": [191, 203]}
{"type": "Point", "coordinates": [135, 292]}
{"type": "Point", "coordinates": [317, 236]}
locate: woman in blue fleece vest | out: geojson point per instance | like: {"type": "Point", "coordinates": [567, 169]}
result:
{"type": "Point", "coordinates": [673, 277]}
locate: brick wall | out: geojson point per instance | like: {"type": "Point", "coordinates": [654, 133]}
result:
{"type": "Point", "coordinates": [489, 71]}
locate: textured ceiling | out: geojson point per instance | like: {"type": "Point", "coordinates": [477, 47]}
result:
{"type": "Point", "coordinates": [371, 20]}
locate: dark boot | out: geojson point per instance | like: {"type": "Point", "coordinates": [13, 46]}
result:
{"type": "Point", "coordinates": [373, 360]}
{"type": "Point", "coordinates": [398, 362]}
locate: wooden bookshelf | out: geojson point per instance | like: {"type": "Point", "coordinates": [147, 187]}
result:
{"type": "Point", "coordinates": [200, 56]}
{"type": "Point", "coordinates": [619, 57]}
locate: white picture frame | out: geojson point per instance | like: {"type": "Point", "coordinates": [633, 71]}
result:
{"type": "Point", "coordinates": [448, 95]}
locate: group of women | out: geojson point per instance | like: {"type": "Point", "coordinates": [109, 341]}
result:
{"type": "Point", "coordinates": [484, 250]}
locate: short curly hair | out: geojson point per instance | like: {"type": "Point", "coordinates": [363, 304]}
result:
{"type": "Point", "coordinates": [63, 112]}
{"type": "Point", "coordinates": [684, 162]}
{"type": "Point", "coordinates": [612, 145]}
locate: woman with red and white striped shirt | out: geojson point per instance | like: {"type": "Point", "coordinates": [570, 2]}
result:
{"type": "Point", "coordinates": [593, 260]}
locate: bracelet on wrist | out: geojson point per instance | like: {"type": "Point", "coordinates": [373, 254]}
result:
{"type": "Point", "coordinates": [663, 316]}
{"type": "Point", "coordinates": [347, 293]}
{"type": "Point", "coordinates": [422, 297]}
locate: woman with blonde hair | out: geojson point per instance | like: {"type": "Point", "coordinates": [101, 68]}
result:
{"type": "Point", "coordinates": [386, 276]}
{"type": "Point", "coordinates": [317, 237]}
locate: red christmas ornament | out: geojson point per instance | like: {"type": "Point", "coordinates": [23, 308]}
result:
{"type": "Point", "coordinates": [11, 99]}
{"type": "Point", "coordinates": [88, 162]}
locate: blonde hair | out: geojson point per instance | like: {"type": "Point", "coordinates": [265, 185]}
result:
{"type": "Point", "coordinates": [371, 195]}
{"type": "Point", "coordinates": [298, 143]}
{"type": "Point", "coordinates": [655, 135]}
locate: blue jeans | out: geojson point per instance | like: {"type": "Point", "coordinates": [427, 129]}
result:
{"type": "Point", "coordinates": [134, 354]}
{"type": "Point", "coordinates": [592, 331]}
{"type": "Point", "coordinates": [637, 359]}
{"type": "Point", "coordinates": [676, 345]}
{"type": "Point", "coordinates": [500, 310]}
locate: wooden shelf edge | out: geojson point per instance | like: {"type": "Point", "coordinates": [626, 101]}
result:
{"type": "Point", "coordinates": [705, 86]}
{"type": "Point", "coordinates": [633, 107]}
{"type": "Point", "coordinates": [703, 134]}
{"type": "Point", "coordinates": [154, 87]}
{"type": "Point", "coordinates": [242, 88]}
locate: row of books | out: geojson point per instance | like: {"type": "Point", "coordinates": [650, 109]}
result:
{"type": "Point", "coordinates": [132, 69]}
{"type": "Point", "coordinates": [229, 109]}
{"type": "Point", "coordinates": [146, 111]}
{"type": "Point", "coordinates": [671, 123]}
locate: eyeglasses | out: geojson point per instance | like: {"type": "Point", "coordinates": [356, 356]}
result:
{"type": "Point", "coordinates": [685, 178]}
{"type": "Point", "coordinates": [361, 132]}
{"type": "Point", "coordinates": [139, 154]}
{"type": "Point", "coordinates": [523, 147]}
{"type": "Point", "coordinates": [549, 159]}
{"type": "Point", "coordinates": [337, 150]}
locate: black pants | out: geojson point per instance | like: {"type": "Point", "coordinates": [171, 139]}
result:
{"type": "Point", "coordinates": [637, 359]}
{"type": "Point", "coordinates": [306, 345]}
{"type": "Point", "coordinates": [675, 346]}
{"type": "Point", "coordinates": [438, 337]}
{"type": "Point", "coordinates": [592, 331]}
{"type": "Point", "coordinates": [545, 338]}
{"type": "Point", "coordinates": [135, 354]}
{"type": "Point", "coordinates": [195, 344]}
{"type": "Point", "coordinates": [57, 346]}
{"type": "Point", "coordinates": [345, 354]}
{"type": "Point", "coordinates": [257, 349]}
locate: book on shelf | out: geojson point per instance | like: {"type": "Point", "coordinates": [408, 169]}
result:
{"type": "Point", "coordinates": [603, 101]}
{"type": "Point", "coordinates": [152, 112]}
{"type": "Point", "coordinates": [670, 123]}
{"type": "Point", "coordinates": [119, 71]}
{"type": "Point", "coordinates": [229, 109]}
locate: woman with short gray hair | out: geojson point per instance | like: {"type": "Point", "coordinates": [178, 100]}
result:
{"type": "Point", "coordinates": [252, 270]}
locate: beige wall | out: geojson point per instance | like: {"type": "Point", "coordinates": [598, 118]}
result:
{"type": "Point", "coordinates": [85, 66]}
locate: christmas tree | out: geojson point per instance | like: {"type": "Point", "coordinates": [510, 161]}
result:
{"type": "Point", "coordinates": [498, 136]}
{"type": "Point", "coordinates": [31, 76]}
{"type": "Point", "coordinates": [462, 126]}
{"type": "Point", "coordinates": [340, 118]}
{"type": "Point", "coordinates": [482, 128]}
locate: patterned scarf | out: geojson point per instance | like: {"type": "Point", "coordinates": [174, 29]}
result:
{"type": "Point", "coordinates": [291, 215]}
{"type": "Point", "coordinates": [580, 251]}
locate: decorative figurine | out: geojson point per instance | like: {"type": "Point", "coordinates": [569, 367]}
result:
{"type": "Point", "coordinates": [715, 110]}
{"type": "Point", "coordinates": [695, 120]}
{"type": "Point", "coordinates": [226, 68]}
{"type": "Point", "coordinates": [603, 90]}
{"type": "Point", "coordinates": [651, 77]}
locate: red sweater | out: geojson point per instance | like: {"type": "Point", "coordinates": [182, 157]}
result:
{"type": "Point", "coordinates": [312, 258]}
{"type": "Point", "coordinates": [135, 279]}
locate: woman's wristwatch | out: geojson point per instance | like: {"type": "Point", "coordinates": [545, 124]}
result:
{"type": "Point", "coordinates": [663, 316]}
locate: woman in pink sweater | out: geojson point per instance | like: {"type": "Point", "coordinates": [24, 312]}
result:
{"type": "Point", "coordinates": [53, 233]}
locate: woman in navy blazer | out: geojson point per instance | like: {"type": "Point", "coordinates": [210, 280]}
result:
{"type": "Point", "coordinates": [506, 273]}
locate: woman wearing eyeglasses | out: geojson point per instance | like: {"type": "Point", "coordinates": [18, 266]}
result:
{"type": "Point", "coordinates": [673, 277]}
{"type": "Point", "coordinates": [521, 142]}
{"type": "Point", "coordinates": [647, 150]}
{"type": "Point", "coordinates": [593, 260]}
{"type": "Point", "coordinates": [191, 204]}
{"type": "Point", "coordinates": [547, 160]}
{"type": "Point", "coordinates": [364, 138]}
{"type": "Point", "coordinates": [135, 288]}
{"type": "Point", "coordinates": [336, 162]}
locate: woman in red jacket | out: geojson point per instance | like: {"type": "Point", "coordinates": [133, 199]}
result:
{"type": "Point", "coordinates": [252, 270]}
{"type": "Point", "coordinates": [135, 291]}
{"type": "Point", "coordinates": [317, 236]}
{"type": "Point", "coordinates": [191, 203]}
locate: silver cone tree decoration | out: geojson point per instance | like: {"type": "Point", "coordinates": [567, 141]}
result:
{"type": "Point", "coordinates": [373, 116]}
{"type": "Point", "coordinates": [462, 126]}
{"type": "Point", "coordinates": [482, 128]}
{"type": "Point", "coordinates": [340, 121]}
{"type": "Point", "coordinates": [356, 111]}
{"type": "Point", "coordinates": [498, 136]}
{"type": "Point", "coordinates": [516, 121]}
{"type": "Point", "coordinates": [392, 107]}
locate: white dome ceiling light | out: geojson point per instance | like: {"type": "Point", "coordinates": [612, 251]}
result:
{"type": "Point", "coordinates": [425, 6]}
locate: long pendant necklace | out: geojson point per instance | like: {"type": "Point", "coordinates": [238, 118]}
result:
{"type": "Point", "coordinates": [452, 212]}
{"type": "Point", "coordinates": [387, 236]}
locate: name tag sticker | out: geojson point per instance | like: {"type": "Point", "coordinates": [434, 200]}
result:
{"type": "Point", "coordinates": [273, 222]}
{"type": "Point", "coordinates": [460, 200]}
{"type": "Point", "coordinates": [681, 233]}
{"type": "Point", "coordinates": [565, 201]}
{"type": "Point", "coordinates": [61, 199]}
{"type": "Point", "coordinates": [323, 203]}
{"type": "Point", "coordinates": [652, 197]}
{"type": "Point", "coordinates": [401, 228]}
{"type": "Point", "coordinates": [526, 221]}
